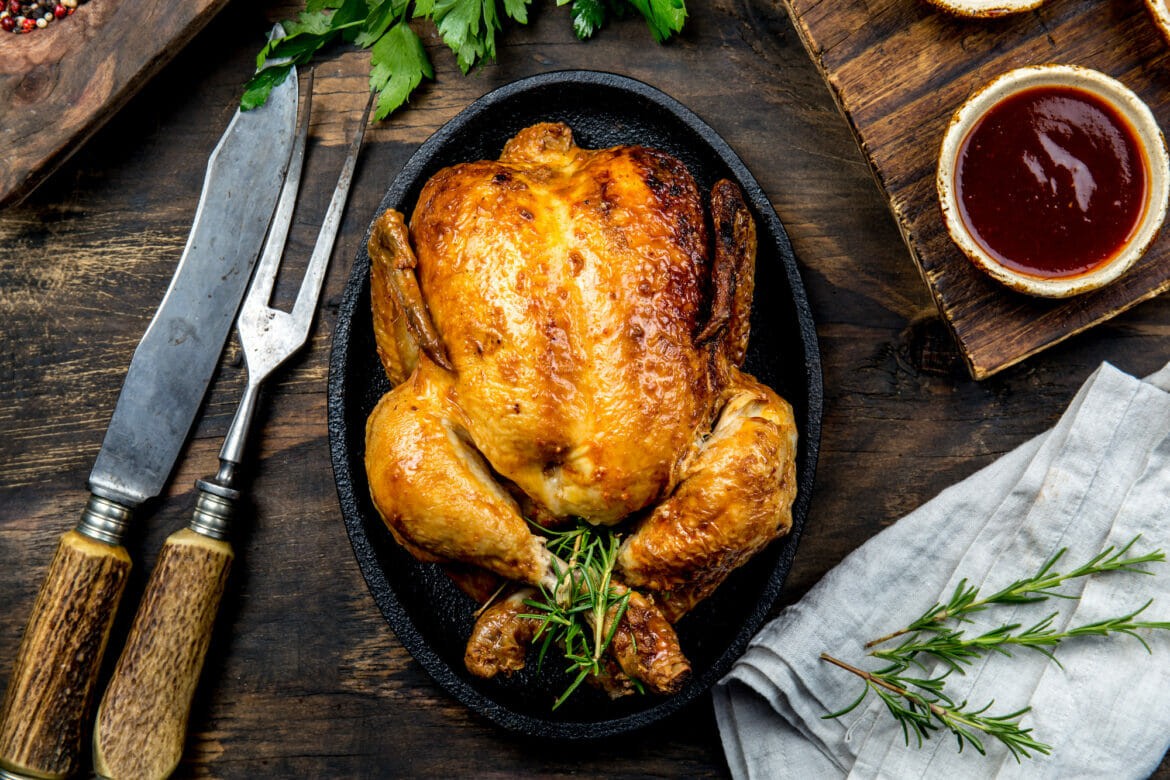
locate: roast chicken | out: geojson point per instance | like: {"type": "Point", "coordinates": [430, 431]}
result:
{"type": "Point", "coordinates": [564, 330]}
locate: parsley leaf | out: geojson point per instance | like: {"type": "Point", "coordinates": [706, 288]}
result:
{"type": "Point", "coordinates": [517, 9]}
{"type": "Point", "coordinates": [588, 16]}
{"type": "Point", "coordinates": [469, 27]}
{"type": "Point", "coordinates": [257, 89]}
{"type": "Point", "coordinates": [382, 15]}
{"type": "Point", "coordinates": [398, 63]}
{"type": "Point", "coordinates": [665, 17]}
{"type": "Point", "coordinates": [398, 59]}
{"type": "Point", "coordinates": [349, 18]}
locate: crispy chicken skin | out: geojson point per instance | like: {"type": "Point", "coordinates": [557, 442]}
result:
{"type": "Point", "coordinates": [644, 645]}
{"type": "Point", "coordinates": [565, 336]}
{"type": "Point", "coordinates": [734, 499]}
{"type": "Point", "coordinates": [499, 641]}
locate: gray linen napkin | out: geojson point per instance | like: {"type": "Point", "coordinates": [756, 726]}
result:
{"type": "Point", "coordinates": [1098, 478]}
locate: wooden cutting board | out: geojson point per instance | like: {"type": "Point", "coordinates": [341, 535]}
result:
{"type": "Point", "coordinates": [900, 68]}
{"type": "Point", "coordinates": [58, 85]}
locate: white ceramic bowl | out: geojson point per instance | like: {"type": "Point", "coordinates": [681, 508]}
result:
{"type": "Point", "coordinates": [986, 9]}
{"type": "Point", "coordinates": [1153, 148]}
{"type": "Point", "coordinates": [1160, 11]}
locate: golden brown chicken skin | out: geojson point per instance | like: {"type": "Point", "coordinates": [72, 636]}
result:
{"type": "Point", "coordinates": [569, 295]}
{"type": "Point", "coordinates": [565, 334]}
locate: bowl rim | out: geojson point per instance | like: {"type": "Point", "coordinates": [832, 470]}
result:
{"type": "Point", "coordinates": [986, 9]}
{"type": "Point", "coordinates": [1127, 104]}
{"type": "Point", "coordinates": [1160, 10]}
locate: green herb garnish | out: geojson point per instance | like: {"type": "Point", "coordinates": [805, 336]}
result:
{"type": "Point", "coordinates": [574, 614]}
{"type": "Point", "coordinates": [920, 703]}
{"type": "Point", "coordinates": [965, 600]}
{"type": "Point", "coordinates": [398, 60]}
{"type": "Point", "coordinates": [923, 711]}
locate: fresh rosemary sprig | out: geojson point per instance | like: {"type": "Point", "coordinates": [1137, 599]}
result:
{"type": "Point", "coordinates": [573, 615]}
{"type": "Point", "coordinates": [920, 713]}
{"type": "Point", "coordinates": [920, 704]}
{"type": "Point", "coordinates": [953, 649]}
{"type": "Point", "coordinates": [965, 600]}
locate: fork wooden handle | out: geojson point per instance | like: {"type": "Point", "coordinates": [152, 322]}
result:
{"type": "Point", "coordinates": [142, 720]}
{"type": "Point", "coordinates": [46, 708]}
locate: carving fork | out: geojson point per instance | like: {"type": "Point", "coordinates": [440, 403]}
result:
{"type": "Point", "coordinates": [142, 720]}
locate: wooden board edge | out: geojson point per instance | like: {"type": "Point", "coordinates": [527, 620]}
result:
{"type": "Point", "coordinates": [69, 145]}
{"type": "Point", "coordinates": [981, 371]}
{"type": "Point", "coordinates": [805, 36]}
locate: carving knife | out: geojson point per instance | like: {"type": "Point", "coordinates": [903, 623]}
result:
{"type": "Point", "coordinates": [47, 703]}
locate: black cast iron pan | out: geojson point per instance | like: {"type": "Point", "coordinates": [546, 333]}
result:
{"type": "Point", "coordinates": [430, 616]}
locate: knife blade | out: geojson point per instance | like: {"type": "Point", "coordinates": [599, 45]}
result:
{"type": "Point", "coordinates": [47, 702]}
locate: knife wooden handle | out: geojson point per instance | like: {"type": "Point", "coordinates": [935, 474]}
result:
{"type": "Point", "coordinates": [46, 707]}
{"type": "Point", "coordinates": [142, 720]}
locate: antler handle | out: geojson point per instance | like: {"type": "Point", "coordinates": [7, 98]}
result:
{"type": "Point", "coordinates": [142, 720]}
{"type": "Point", "coordinates": [47, 705]}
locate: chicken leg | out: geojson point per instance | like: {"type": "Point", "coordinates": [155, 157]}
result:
{"type": "Point", "coordinates": [735, 496]}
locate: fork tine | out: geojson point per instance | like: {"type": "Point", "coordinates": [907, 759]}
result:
{"type": "Point", "coordinates": [260, 291]}
{"type": "Point", "coordinates": [268, 336]}
{"type": "Point", "coordinates": [306, 304]}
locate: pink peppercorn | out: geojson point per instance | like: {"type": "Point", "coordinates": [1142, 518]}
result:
{"type": "Point", "coordinates": [8, 24]}
{"type": "Point", "coordinates": [60, 12]}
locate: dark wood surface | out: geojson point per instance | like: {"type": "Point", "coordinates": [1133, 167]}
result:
{"type": "Point", "coordinates": [304, 679]}
{"type": "Point", "coordinates": [59, 84]}
{"type": "Point", "coordinates": [899, 70]}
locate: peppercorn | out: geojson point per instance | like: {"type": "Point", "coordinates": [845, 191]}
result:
{"type": "Point", "coordinates": [28, 15]}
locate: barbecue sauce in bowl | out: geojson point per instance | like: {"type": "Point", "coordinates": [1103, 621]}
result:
{"type": "Point", "coordinates": [1051, 181]}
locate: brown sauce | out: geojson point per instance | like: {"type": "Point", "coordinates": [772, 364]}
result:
{"type": "Point", "coordinates": [1051, 181]}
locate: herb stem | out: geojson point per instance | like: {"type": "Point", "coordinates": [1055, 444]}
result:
{"type": "Point", "coordinates": [1038, 587]}
{"type": "Point", "coordinates": [869, 677]}
{"type": "Point", "coordinates": [953, 648]}
{"type": "Point", "coordinates": [921, 705]}
{"type": "Point", "coordinates": [921, 714]}
{"type": "Point", "coordinates": [490, 600]}
{"type": "Point", "coordinates": [574, 613]}
{"type": "Point", "coordinates": [398, 59]}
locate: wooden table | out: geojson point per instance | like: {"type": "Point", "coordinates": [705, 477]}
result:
{"type": "Point", "coordinates": [304, 678]}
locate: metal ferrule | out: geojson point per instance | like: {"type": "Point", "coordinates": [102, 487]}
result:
{"type": "Point", "coordinates": [215, 508]}
{"type": "Point", "coordinates": [104, 520]}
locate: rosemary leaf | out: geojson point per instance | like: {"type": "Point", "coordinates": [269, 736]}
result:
{"type": "Point", "coordinates": [573, 615]}
{"type": "Point", "coordinates": [955, 649]}
{"type": "Point", "coordinates": [921, 706]}
{"type": "Point", "coordinates": [1040, 586]}
{"type": "Point", "coordinates": [921, 712]}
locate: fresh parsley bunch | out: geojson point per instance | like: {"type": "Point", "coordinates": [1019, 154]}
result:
{"type": "Point", "coordinates": [398, 60]}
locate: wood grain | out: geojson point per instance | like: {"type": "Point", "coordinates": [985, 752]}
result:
{"type": "Point", "coordinates": [46, 708]}
{"type": "Point", "coordinates": [303, 677]}
{"type": "Point", "coordinates": [60, 84]}
{"type": "Point", "coordinates": [900, 69]}
{"type": "Point", "coordinates": [141, 723]}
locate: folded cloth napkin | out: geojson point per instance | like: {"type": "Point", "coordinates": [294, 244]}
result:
{"type": "Point", "coordinates": [1098, 478]}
